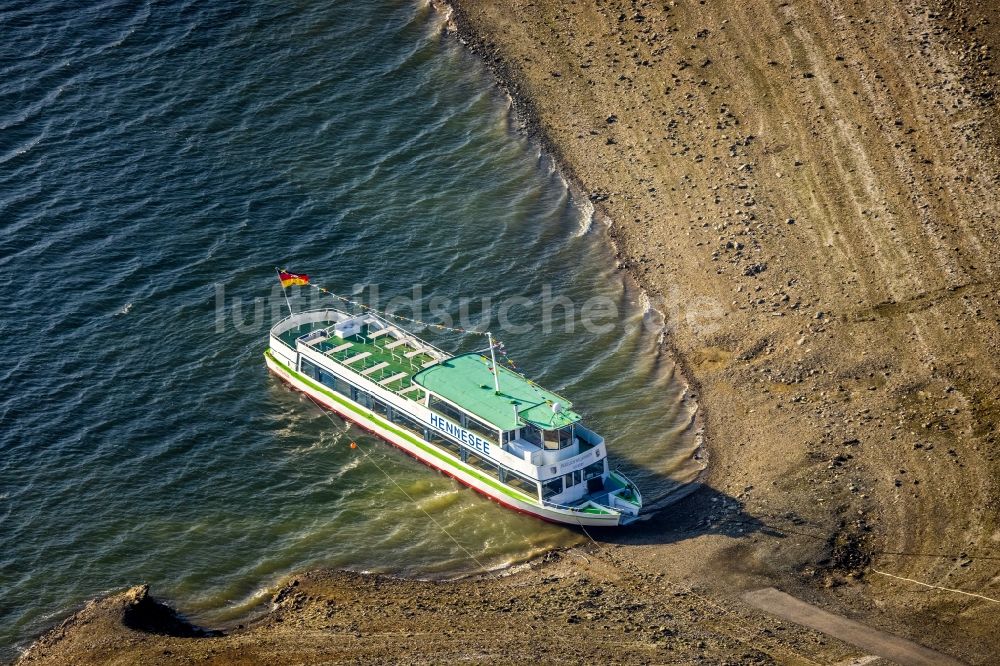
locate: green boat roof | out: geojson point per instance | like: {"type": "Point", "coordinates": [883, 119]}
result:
{"type": "Point", "coordinates": [466, 380]}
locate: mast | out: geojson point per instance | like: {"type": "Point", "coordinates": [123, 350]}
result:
{"type": "Point", "coordinates": [496, 370]}
{"type": "Point", "coordinates": [284, 292]}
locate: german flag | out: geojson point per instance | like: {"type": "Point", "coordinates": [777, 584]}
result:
{"type": "Point", "coordinates": [291, 279]}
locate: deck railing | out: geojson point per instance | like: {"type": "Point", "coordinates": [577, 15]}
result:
{"type": "Point", "coordinates": [334, 315]}
{"type": "Point", "coordinates": [574, 509]}
{"type": "Point", "coordinates": [630, 503]}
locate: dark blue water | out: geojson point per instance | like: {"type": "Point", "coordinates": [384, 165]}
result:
{"type": "Point", "coordinates": [156, 162]}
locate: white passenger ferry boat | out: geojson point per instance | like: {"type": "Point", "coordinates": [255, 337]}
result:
{"type": "Point", "coordinates": [500, 434]}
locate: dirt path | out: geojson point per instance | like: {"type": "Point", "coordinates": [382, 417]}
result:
{"type": "Point", "coordinates": [886, 645]}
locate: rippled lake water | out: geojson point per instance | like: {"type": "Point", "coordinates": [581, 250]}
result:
{"type": "Point", "coordinates": [156, 162]}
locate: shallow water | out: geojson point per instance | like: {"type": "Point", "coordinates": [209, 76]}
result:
{"type": "Point", "coordinates": [156, 163]}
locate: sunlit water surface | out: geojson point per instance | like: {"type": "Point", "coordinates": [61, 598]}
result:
{"type": "Point", "coordinates": [156, 162]}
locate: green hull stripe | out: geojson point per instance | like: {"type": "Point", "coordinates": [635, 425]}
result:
{"type": "Point", "coordinates": [405, 435]}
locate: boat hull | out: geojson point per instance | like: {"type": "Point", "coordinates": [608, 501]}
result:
{"type": "Point", "coordinates": [427, 454]}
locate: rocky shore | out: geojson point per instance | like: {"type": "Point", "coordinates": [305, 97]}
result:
{"type": "Point", "coordinates": [600, 604]}
{"type": "Point", "coordinates": [809, 191]}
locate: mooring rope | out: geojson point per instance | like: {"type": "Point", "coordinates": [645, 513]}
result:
{"type": "Point", "coordinates": [441, 527]}
{"type": "Point", "coordinates": [938, 587]}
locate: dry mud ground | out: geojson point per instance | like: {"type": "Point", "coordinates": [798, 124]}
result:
{"type": "Point", "coordinates": [809, 191]}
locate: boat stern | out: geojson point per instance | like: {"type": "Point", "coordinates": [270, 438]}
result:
{"type": "Point", "coordinates": [622, 497]}
{"type": "Point", "coordinates": [618, 503]}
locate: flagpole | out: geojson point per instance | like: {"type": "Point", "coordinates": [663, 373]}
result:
{"type": "Point", "coordinates": [496, 370]}
{"type": "Point", "coordinates": [284, 292]}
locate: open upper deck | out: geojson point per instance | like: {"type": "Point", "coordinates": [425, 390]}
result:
{"type": "Point", "coordinates": [467, 381]}
{"type": "Point", "coordinates": [396, 359]}
{"type": "Point", "coordinates": [368, 345]}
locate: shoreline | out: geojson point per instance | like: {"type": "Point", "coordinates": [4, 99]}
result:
{"type": "Point", "coordinates": [523, 108]}
{"type": "Point", "coordinates": [164, 617]}
{"type": "Point", "coordinates": [802, 237]}
{"type": "Point", "coordinates": [549, 608]}
{"type": "Point", "coordinates": [720, 540]}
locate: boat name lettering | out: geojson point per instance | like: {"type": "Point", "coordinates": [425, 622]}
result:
{"type": "Point", "coordinates": [466, 437]}
{"type": "Point", "coordinates": [576, 464]}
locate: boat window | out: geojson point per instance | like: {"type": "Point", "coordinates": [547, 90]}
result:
{"type": "Point", "coordinates": [594, 469]}
{"type": "Point", "coordinates": [480, 463]}
{"type": "Point", "coordinates": [408, 423]}
{"type": "Point", "coordinates": [380, 407]}
{"type": "Point", "coordinates": [309, 369]}
{"type": "Point", "coordinates": [522, 483]}
{"type": "Point", "coordinates": [443, 408]}
{"type": "Point", "coordinates": [326, 378]}
{"type": "Point", "coordinates": [445, 444]}
{"type": "Point", "coordinates": [481, 428]}
{"type": "Point", "coordinates": [552, 487]}
{"type": "Point", "coordinates": [530, 433]}
{"type": "Point", "coordinates": [573, 478]}
{"type": "Point", "coordinates": [362, 398]}
{"type": "Point", "coordinates": [559, 439]}
{"type": "Point", "coordinates": [508, 436]}
{"type": "Point", "coordinates": [342, 387]}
